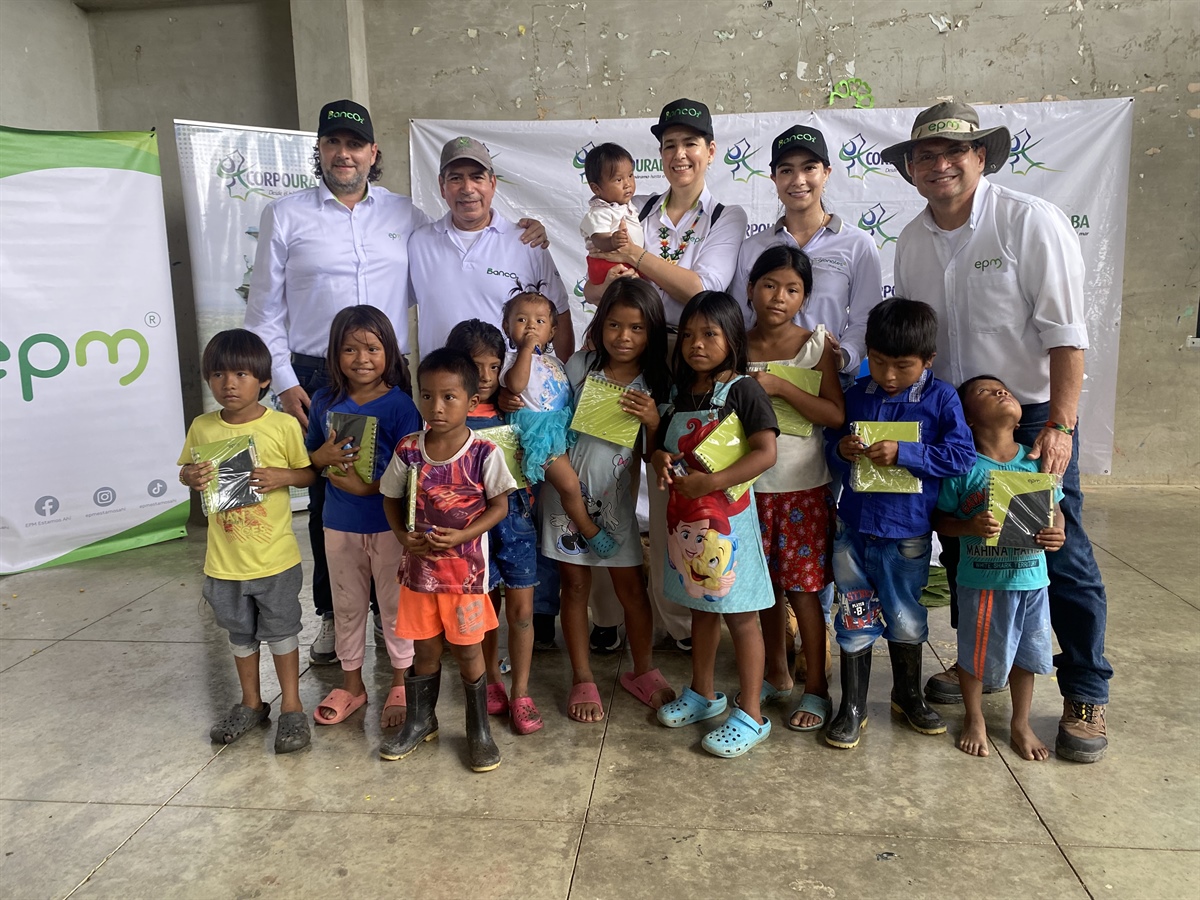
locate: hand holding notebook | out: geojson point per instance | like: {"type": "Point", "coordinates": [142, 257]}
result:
{"type": "Point", "coordinates": [866, 476]}
{"type": "Point", "coordinates": [598, 412]}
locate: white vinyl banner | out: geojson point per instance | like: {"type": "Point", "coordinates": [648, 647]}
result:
{"type": "Point", "coordinates": [89, 369]}
{"type": "Point", "coordinates": [1074, 154]}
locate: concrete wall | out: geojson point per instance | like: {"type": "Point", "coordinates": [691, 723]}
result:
{"type": "Point", "coordinates": [46, 78]}
{"type": "Point", "coordinates": [501, 60]}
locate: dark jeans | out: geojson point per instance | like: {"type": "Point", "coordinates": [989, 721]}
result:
{"type": "Point", "coordinates": [546, 594]}
{"type": "Point", "coordinates": [1078, 605]}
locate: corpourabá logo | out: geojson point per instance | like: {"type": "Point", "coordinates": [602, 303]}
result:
{"type": "Point", "coordinates": [580, 158]}
{"type": "Point", "coordinates": [645, 165]}
{"type": "Point", "coordinates": [872, 222]}
{"type": "Point", "coordinates": [862, 160]}
{"type": "Point", "coordinates": [738, 157]}
{"type": "Point", "coordinates": [32, 362]}
{"type": "Point", "coordinates": [1020, 162]}
{"type": "Point", "coordinates": [243, 180]}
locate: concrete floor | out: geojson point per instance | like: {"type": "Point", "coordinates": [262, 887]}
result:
{"type": "Point", "coordinates": [111, 672]}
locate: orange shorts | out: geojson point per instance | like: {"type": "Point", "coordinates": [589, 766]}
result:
{"type": "Point", "coordinates": [463, 618]}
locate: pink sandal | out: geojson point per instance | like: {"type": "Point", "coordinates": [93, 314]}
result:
{"type": "Point", "coordinates": [525, 716]}
{"type": "Point", "coordinates": [585, 692]}
{"type": "Point", "coordinates": [645, 686]}
{"type": "Point", "coordinates": [396, 697]}
{"type": "Point", "coordinates": [343, 704]}
{"type": "Point", "coordinates": [497, 699]}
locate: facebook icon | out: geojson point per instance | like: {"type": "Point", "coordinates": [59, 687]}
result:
{"type": "Point", "coordinates": [46, 506]}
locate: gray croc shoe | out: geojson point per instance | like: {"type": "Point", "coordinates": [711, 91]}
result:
{"type": "Point", "coordinates": [292, 733]}
{"type": "Point", "coordinates": [237, 722]}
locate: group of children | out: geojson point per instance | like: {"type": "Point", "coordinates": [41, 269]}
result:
{"type": "Point", "coordinates": [447, 527]}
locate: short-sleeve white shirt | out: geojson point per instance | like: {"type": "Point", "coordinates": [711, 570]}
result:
{"type": "Point", "coordinates": [603, 217]}
{"type": "Point", "coordinates": [1013, 289]}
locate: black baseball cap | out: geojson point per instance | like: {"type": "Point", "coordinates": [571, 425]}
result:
{"type": "Point", "coordinates": [689, 113]}
{"type": "Point", "coordinates": [345, 115]}
{"type": "Point", "coordinates": [799, 138]}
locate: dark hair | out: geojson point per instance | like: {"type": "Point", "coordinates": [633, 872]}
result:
{"type": "Point", "coordinates": [962, 388]}
{"type": "Point", "coordinates": [636, 293]}
{"type": "Point", "coordinates": [526, 292]}
{"type": "Point", "coordinates": [361, 318]}
{"type": "Point", "coordinates": [474, 335]}
{"type": "Point", "coordinates": [456, 362]}
{"type": "Point", "coordinates": [601, 159]}
{"type": "Point", "coordinates": [900, 327]}
{"type": "Point", "coordinates": [781, 256]}
{"type": "Point", "coordinates": [237, 350]}
{"type": "Point", "coordinates": [722, 310]}
{"type": "Point", "coordinates": [372, 176]}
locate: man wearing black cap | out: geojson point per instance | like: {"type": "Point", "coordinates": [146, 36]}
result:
{"type": "Point", "coordinates": [1005, 274]}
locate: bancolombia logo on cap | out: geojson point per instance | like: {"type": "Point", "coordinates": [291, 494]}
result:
{"type": "Point", "coordinates": [690, 111]}
{"type": "Point", "coordinates": [344, 114]}
{"type": "Point", "coordinates": [795, 136]}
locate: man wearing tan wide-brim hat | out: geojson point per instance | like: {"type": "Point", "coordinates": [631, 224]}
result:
{"type": "Point", "coordinates": [1005, 274]}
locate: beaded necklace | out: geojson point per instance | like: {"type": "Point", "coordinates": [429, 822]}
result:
{"type": "Point", "coordinates": [689, 236]}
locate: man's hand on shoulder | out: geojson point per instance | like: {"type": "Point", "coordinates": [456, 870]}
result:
{"type": "Point", "coordinates": [533, 233]}
{"type": "Point", "coordinates": [1052, 450]}
{"type": "Point", "coordinates": [296, 402]}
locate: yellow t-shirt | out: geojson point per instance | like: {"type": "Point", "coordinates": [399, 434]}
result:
{"type": "Point", "coordinates": [254, 541]}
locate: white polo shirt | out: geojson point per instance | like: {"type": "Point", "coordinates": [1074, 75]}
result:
{"type": "Point", "coordinates": [847, 282]}
{"type": "Point", "coordinates": [1012, 291]}
{"type": "Point", "coordinates": [315, 257]}
{"type": "Point", "coordinates": [711, 252]}
{"type": "Point", "coordinates": [451, 284]}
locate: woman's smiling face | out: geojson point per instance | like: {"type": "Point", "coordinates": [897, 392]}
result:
{"type": "Point", "coordinates": [686, 155]}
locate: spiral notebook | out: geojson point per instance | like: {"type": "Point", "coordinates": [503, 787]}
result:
{"type": "Point", "coordinates": [598, 412]}
{"type": "Point", "coordinates": [866, 477]}
{"type": "Point", "coordinates": [790, 420]}
{"type": "Point", "coordinates": [361, 431]}
{"type": "Point", "coordinates": [233, 459]}
{"type": "Point", "coordinates": [1023, 504]}
{"type": "Point", "coordinates": [721, 448]}
{"type": "Point", "coordinates": [505, 437]}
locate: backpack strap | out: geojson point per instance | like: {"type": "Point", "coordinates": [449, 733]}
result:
{"type": "Point", "coordinates": [717, 210]}
{"type": "Point", "coordinates": [649, 207]}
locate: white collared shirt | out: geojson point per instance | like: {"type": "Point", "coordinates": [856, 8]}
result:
{"type": "Point", "coordinates": [315, 257]}
{"type": "Point", "coordinates": [451, 284]}
{"type": "Point", "coordinates": [711, 254]}
{"type": "Point", "coordinates": [1012, 292]}
{"type": "Point", "coordinates": [847, 282]}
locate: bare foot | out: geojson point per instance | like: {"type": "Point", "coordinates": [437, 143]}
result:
{"type": "Point", "coordinates": [393, 716]}
{"type": "Point", "coordinates": [973, 740]}
{"type": "Point", "coordinates": [661, 696]}
{"type": "Point", "coordinates": [327, 712]}
{"type": "Point", "coordinates": [1026, 743]}
{"type": "Point", "coordinates": [803, 719]}
{"type": "Point", "coordinates": [585, 711]}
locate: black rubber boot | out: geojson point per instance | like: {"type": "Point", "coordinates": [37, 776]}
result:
{"type": "Point", "coordinates": [421, 724]}
{"type": "Point", "coordinates": [482, 750]}
{"type": "Point", "coordinates": [846, 728]}
{"type": "Point", "coordinates": [907, 699]}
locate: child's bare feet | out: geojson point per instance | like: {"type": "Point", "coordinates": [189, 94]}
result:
{"type": "Point", "coordinates": [973, 740]}
{"type": "Point", "coordinates": [661, 696]}
{"type": "Point", "coordinates": [395, 709]}
{"type": "Point", "coordinates": [584, 703]}
{"type": "Point", "coordinates": [1028, 744]}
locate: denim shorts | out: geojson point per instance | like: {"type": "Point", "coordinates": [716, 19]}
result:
{"type": "Point", "coordinates": [512, 546]}
{"type": "Point", "coordinates": [999, 629]}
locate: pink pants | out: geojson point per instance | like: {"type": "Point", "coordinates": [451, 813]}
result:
{"type": "Point", "coordinates": [353, 560]}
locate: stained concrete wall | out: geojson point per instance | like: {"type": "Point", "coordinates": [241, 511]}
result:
{"type": "Point", "coordinates": [46, 78]}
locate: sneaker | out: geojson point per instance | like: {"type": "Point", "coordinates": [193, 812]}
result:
{"type": "Point", "coordinates": [543, 632]}
{"type": "Point", "coordinates": [606, 640]}
{"type": "Point", "coordinates": [1082, 735]}
{"type": "Point", "coordinates": [323, 651]}
{"type": "Point", "coordinates": [380, 643]}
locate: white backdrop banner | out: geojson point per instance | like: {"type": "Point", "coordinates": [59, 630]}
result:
{"type": "Point", "coordinates": [1075, 154]}
{"type": "Point", "coordinates": [89, 368]}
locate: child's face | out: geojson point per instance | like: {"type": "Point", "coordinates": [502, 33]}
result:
{"type": "Point", "coordinates": [705, 345]}
{"type": "Point", "coordinates": [532, 316]}
{"type": "Point", "coordinates": [362, 359]}
{"type": "Point", "coordinates": [777, 296]}
{"type": "Point", "coordinates": [625, 334]}
{"type": "Point", "coordinates": [444, 401]}
{"type": "Point", "coordinates": [236, 390]}
{"type": "Point", "coordinates": [896, 374]}
{"type": "Point", "coordinates": [489, 366]}
{"type": "Point", "coordinates": [617, 184]}
{"type": "Point", "coordinates": [988, 402]}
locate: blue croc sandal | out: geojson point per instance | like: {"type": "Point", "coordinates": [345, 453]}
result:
{"type": "Point", "coordinates": [737, 735]}
{"type": "Point", "coordinates": [603, 545]}
{"type": "Point", "coordinates": [814, 705]}
{"type": "Point", "coordinates": [690, 707]}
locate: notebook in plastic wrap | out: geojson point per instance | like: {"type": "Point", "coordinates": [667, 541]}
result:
{"type": "Point", "coordinates": [1023, 504]}
{"type": "Point", "coordinates": [725, 445]}
{"type": "Point", "coordinates": [791, 421]}
{"type": "Point", "coordinates": [505, 437]}
{"type": "Point", "coordinates": [598, 412]}
{"type": "Point", "coordinates": [866, 477]}
{"type": "Point", "coordinates": [233, 460]}
{"type": "Point", "coordinates": [361, 431]}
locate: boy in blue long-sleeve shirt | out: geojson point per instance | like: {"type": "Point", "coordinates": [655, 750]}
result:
{"type": "Point", "coordinates": [882, 549]}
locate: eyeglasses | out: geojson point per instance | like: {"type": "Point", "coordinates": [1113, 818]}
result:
{"type": "Point", "coordinates": [954, 154]}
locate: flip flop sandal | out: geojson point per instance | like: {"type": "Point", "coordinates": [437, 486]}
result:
{"type": "Point", "coordinates": [736, 735]}
{"type": "Point", "coordinates": [237, 722]}
{"type": "Point", "coordinates": [525, 716]}
{"type": "Point", "coordinates": [343, 703]}
{"type": "Point", "coordinates": [814, 705]}
{"type": "Point", "coordinates": [645, 686]}
{"type": "Point", "coordinates": [691, 707]}
{"type": "Point", "coordinates": [497, 699]}
{"type": "Point", "coordinates": [292, 733]}
{"type": "Point", "coordinates": [768, 694]}
{"type": "Point", "coordinates": [585, 692]}
{"type": "Point", "coordinates": [396, 697]}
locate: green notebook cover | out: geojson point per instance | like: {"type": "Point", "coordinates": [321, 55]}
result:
{"type": "Point", "coordinates": [505, 437]}
{"type": "Point", "coordinates": [233, 460]}
{"type": "Point", "coordinates": [790, 419]}
{"type": "Point", "coordinates": [361, 431]}
{"type": "Point", "coordinates": [866, 477]}
{"type": "Point", "coordinates": [1023, 504]}
{"type": "Point", "coordinates": [598, 412]}
{"type": "Point", "coordinates": [410, 498]}
{"type": "Point", "coordinates": [725, 445]}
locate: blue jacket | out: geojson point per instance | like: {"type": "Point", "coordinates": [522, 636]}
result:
{"type": "Point", "coordinates": [946, 449]}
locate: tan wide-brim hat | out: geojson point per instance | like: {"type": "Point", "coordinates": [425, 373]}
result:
{"type": "Point", "coordinates": [952, 121]}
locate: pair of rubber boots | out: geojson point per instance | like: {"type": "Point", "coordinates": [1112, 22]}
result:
{"type": "Point", "coordinates": [846, 728]}
{"type": "Point", "coordinates": [421, 724]}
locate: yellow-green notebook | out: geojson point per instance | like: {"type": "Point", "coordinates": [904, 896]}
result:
{"type": "Point", "coordinates": [866, 477]}
{"type": "Point", "coordinates": [233, 460]}
{"type": "Point", "coordinates": [1023, 504]}
{"type": "Point", "coordinates": [725, 445]}
{"type": "Point", "coordinates": [598, 412]}
{"type": "Point", "coordinates": [361, 431]}
{"type": "Point", "coordinates": [789, 418]}
{"type": "Point", "coordinates": [505, 437]}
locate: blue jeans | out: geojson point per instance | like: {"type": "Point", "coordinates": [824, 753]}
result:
{"type": "Point", "coordinates": [879, 583]}
{"type": "Point", "coordinates": [546, 594]}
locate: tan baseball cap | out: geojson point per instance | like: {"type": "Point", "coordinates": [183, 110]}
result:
{"type": "Point", "coordinates": [465, 148]}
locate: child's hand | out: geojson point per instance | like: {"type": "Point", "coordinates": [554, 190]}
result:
{"type": "Point", "coordinates": [660, 462]}
{"type": "Point", "coordinates": [415, 542]}
{"type": "Point", "coordinates": [528, 341]}
{"type": "Point", "coordinates": [851, 447]}
{"type": "Point", "coordinates": [197, 475]}
{"type": "Point", "coordinates": [694, 484]}
{"type": "Point", "coordinates": [1052, 538]}
{"type": "Point", "coordinates": [641, 406]}
{"type": "Point", "coordinates": [883, 453]}
{"type": "Point", "coordinates": [983, 525]}
{"type": "Point", "coordinates": [445, 538]}
{"type": "Point", "coordinates": [333, 453]}
{"type": "Point", "coordinates": [768, 382]}
{"type": "Point", "coordinates": [620, 237]}
{"type": "Point", "coordinates": [508, 402]}
{"type": "Point", "coordinates": [270, 479]}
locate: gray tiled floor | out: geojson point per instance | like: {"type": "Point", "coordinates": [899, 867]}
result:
{"type": "Point", "coordinates": [111, 670]}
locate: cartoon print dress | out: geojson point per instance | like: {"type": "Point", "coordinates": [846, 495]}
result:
{"type": "Point", "coordinates": [715, 561]}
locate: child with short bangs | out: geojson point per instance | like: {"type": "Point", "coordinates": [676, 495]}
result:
{"type": "Point", "coordinates": [611, 222]}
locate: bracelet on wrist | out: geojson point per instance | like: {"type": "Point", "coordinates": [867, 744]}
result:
{"type": "Point", "coordinates": [638, 264]}
{"type": "Point", "coordinates": [1060, 427]}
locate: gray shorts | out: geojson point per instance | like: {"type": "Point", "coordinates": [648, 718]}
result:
{"type": "Point", "coordinates": [264, 609]}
